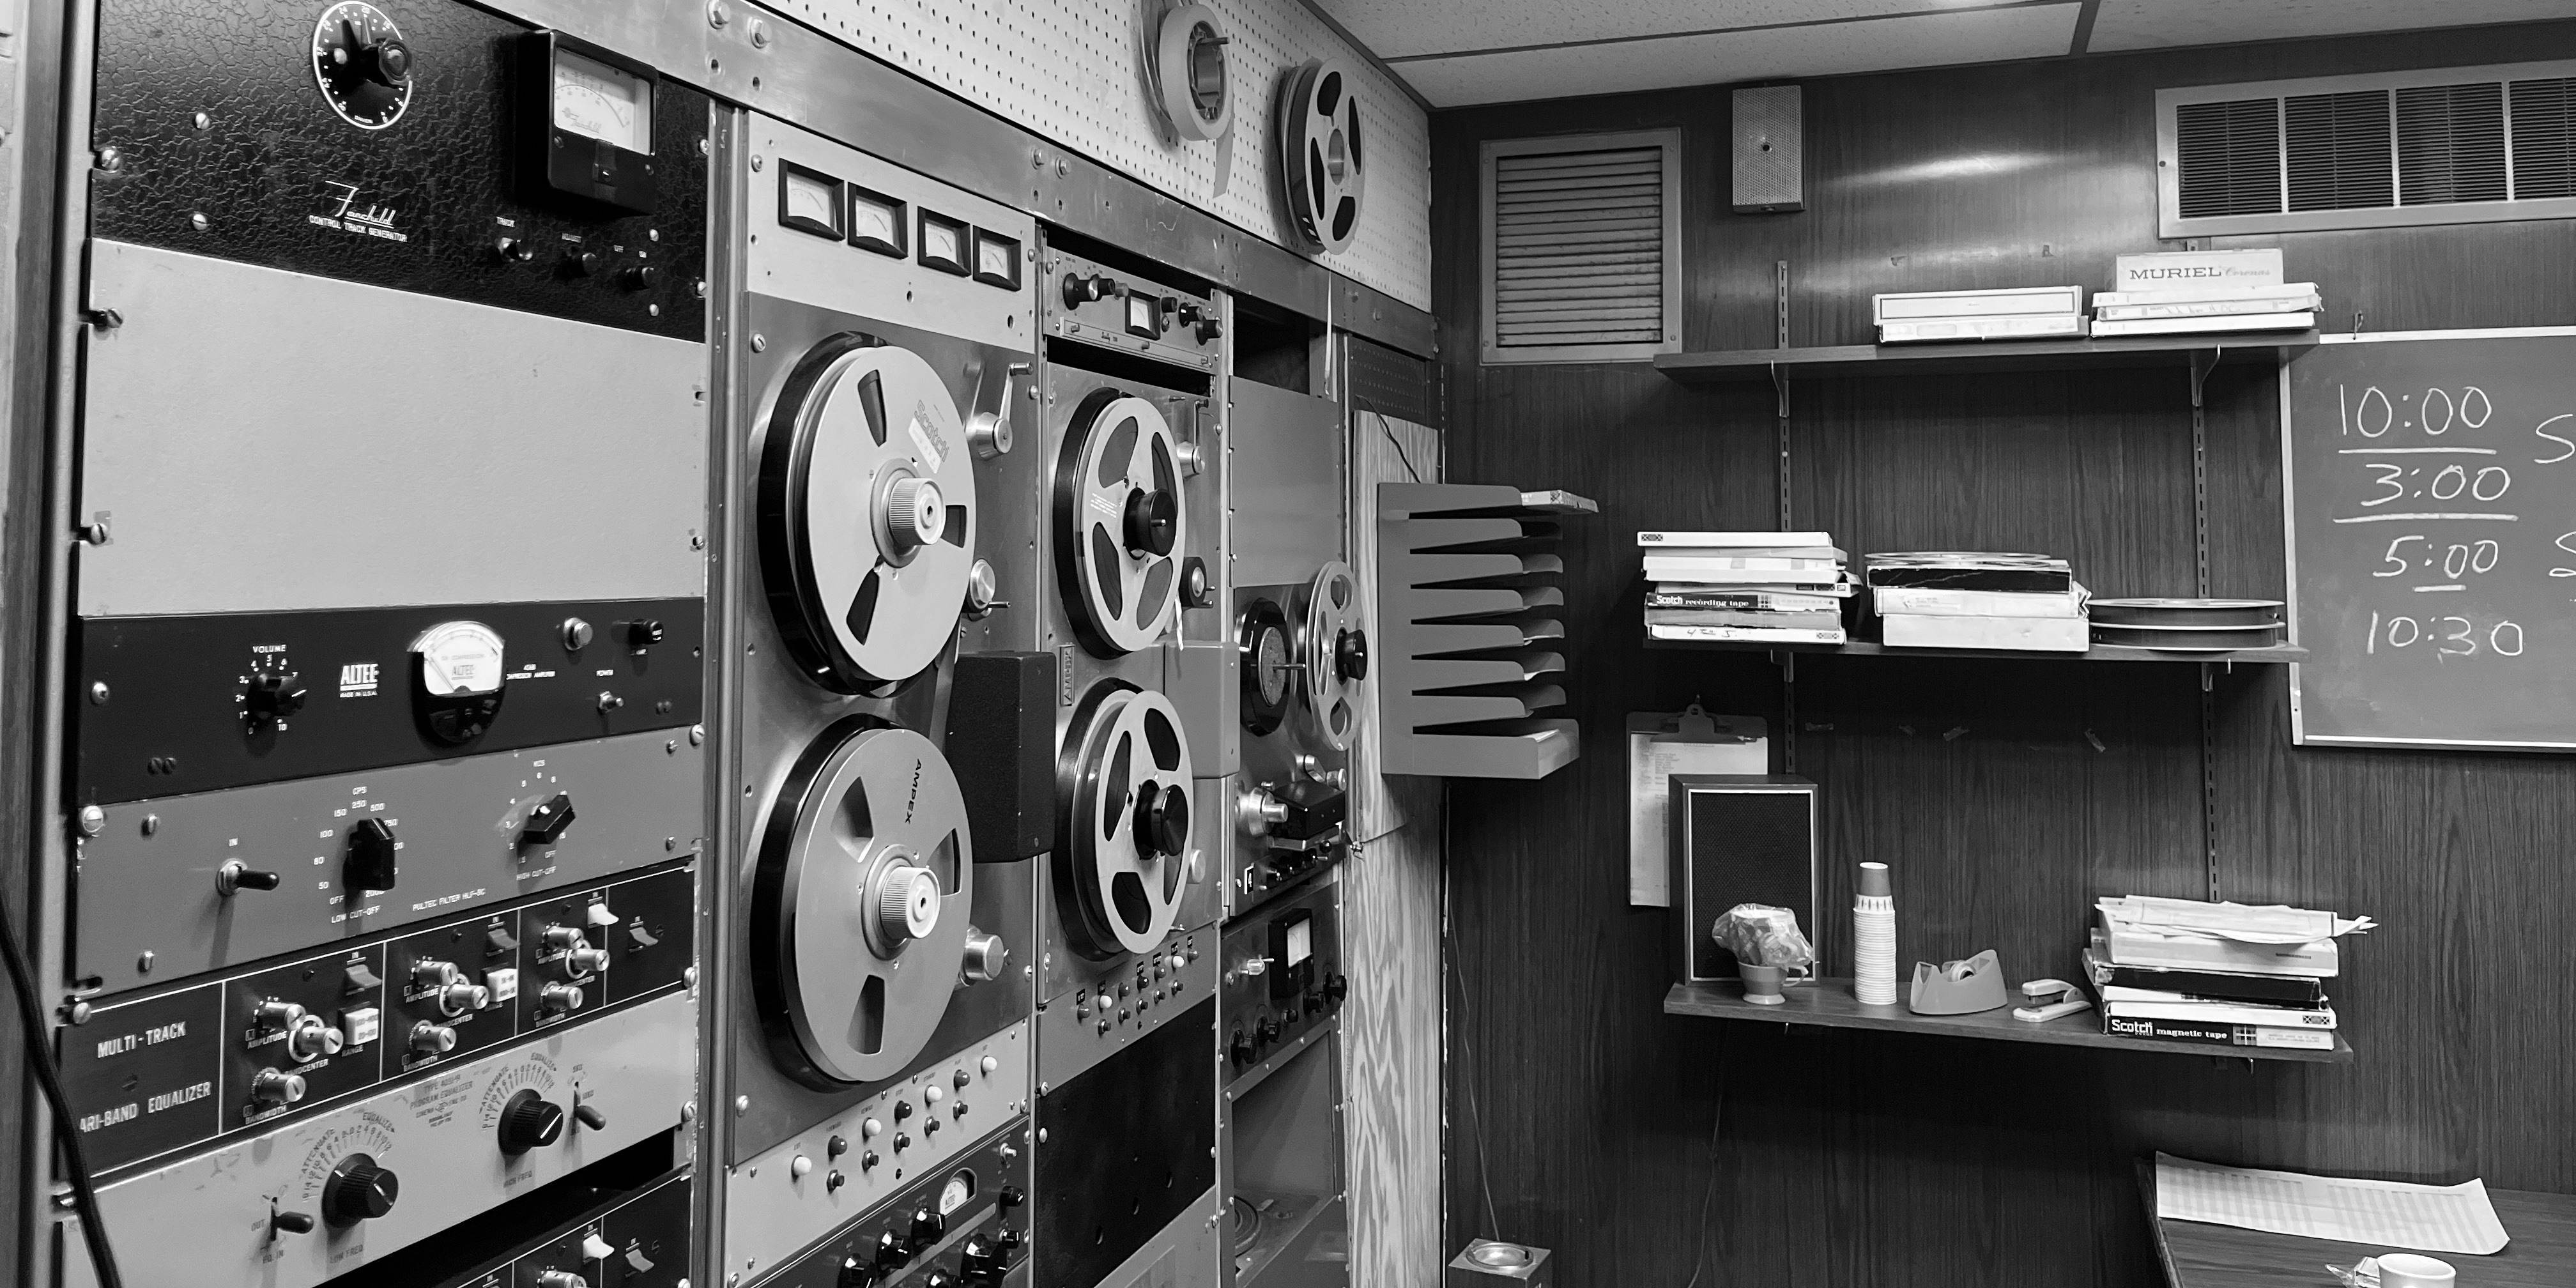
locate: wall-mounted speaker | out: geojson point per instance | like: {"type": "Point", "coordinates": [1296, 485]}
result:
{"type": "Point", "coordinates": [1740, 838]}
{"type": "Point", "coordinates": [1770, 172]}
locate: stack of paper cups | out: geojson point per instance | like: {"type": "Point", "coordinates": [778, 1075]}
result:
{"type": "Point", "coordinates": [1874, 938]}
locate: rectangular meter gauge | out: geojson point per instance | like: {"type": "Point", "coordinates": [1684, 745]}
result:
{"type": "Point", "coordinates": [997, 259]}
{"type": "Point", "coordinates": [809, 201]}
{"type": "Point", "coordinates": [943, 243]}
{"type": "Point", "coordinates": [877, 222]}
{"type": "Point", "coordinates": [1144, 316]}
{"type": "Point", "coordinates": [587, 123]}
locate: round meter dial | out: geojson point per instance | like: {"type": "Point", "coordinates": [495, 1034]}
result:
{"type": "Point", "coordinates": [362, 64]}
{"type": "Point", "coordinates": [456, 680]}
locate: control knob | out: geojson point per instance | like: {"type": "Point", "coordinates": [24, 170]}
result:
{"type": "Point", "coordinates": [370, 864]}
{"type": "Point", "coordinates": [1269, 1030]}
{"type": "Point", "coordinates": [358, 1190]}
{"type": "Point", "coordinates": [547, 821]}
{"type": "Point", "coordinates": [1240, 1048]}
{"type": "Point", "coordinates": [642, 277]}
{"type": "Point", "coordinates": [981, 1263]}
{"type": "Point", "coordinates": [432, 1039]}
{"type": "Point", "coordinates": [986, 958]}
{"type": "Point", "coordinates": [311, 1039]}
{"type": "Point", "coordinates": [643, 633]}
{"type": "Point", "coordinates": [1080, 290]}
{"type": "Point", "coordinates": [271, 696]}
{"type": "Point", "coordinates": [927, 1226]}
{"type": "Point", "coordinates": [938, 1279]}
{"type": "Point", "coordinates": [907, 903]}
{"type": "Point", "coordinates": [856, 1274]}
{"type": "Point", "coordinates": [891, 1251]}
{"type": "Point", "coordinates": [1351, 655]}
{"type": "Point", "coordinates": [528, 1121]}
{"type": "Point", "coordinates": [560, 1279]}
{"type": "Point", "coordinates": [558, 999]}
{"type": "Point", "coordinates": [270, 1087]}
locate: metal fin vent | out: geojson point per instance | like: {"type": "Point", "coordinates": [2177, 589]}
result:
{"type": "Point", "coordinates": [1581, 249]}
{"type": "Point", "coordinates": [2451, 145]}
{"type": "Point", "coordinates": [2230, 156]}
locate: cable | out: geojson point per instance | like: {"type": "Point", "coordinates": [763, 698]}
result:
{"type": "Point", "coordinates": [1467, 1016]}
{"type": "Point", "coordinates": [40, 1055]}
{"type": "Point", "coordinates": [1396, 443]}
{"type": "Point", "coordinates": [1716, 1119]}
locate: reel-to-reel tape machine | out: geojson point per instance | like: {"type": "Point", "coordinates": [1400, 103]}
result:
{"type": "Point", "coordinates": [1303, 653]}
{"type": "Point", "coordinates": [873, 1035]}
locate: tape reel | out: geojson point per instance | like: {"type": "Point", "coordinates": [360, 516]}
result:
{"type": "Point", "coordinates": [1190, 78]}
{"type": "Point", "coordinates": [1319, 153]}
{"type": "Point", "coordinates": [859, 904]}
{"type": "Point", "coordinates": [1123, 862]}
{"type": "Point", "coordinates": [1120, 523]}
{"type": "Point", "coordinates": [1333, 652]}
{"type": "Point", "coordinates": [866, 514]}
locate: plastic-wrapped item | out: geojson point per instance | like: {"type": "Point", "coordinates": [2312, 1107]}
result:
{"type": "Point", "coordinates": [1762, 935]}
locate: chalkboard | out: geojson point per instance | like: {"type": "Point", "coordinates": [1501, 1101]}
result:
{"type": "Point", "coordinates": [2431, 500]}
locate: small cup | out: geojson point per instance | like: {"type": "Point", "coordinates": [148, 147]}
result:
{"type": "Point", "coordinates": [1761, 984]}
{"type": "Point", "coordinates": [2406, 1270]}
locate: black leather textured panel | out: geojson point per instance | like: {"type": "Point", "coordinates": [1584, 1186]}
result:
{"type": "Point", "coordinates": [274, 171]}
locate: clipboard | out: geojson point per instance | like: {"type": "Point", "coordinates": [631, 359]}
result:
{"type": "Point", "coordinates": [1660, 745]}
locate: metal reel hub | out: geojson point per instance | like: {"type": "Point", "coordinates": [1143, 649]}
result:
{"type": "Point", "coordinates": [1119, 517]}
{"type": "Point", "coordinates": [860, 903]}
{"type": "Point", "coordinates": [866, 514]}
{"type": "Point", "coordinates": [1123, 862]}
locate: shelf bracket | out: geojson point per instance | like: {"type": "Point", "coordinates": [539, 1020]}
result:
{"type": "Point", "coordinates": [1779, 392]}
{"type": "Point", "coordinates": [2203, 361]}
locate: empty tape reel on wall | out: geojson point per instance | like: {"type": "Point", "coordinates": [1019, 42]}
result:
{"type": "Point", "coordinates": [1190, 80]}
{"type": "Point", "coordinates": [859, 905]}
{"type": "Point", "coordinates": [1119, 518]}
{"type": "Point", "coordinates": [1319, 153]}
{"type": "Point", "coordinates": [1124, 779]}
{"type": "Point", "coordinates": [867, 514]}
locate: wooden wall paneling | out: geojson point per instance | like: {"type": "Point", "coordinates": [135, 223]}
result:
{"type": "Point", "coordinates": [1391, 918]}
{"type": "Point", "coordinates": [1852, 1159]}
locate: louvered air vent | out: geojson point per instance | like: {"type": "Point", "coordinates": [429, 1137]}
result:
{"type": "Point", "coordinates": [2452, 145]}
{"type": "Point", "coordinates": [1581, 240]}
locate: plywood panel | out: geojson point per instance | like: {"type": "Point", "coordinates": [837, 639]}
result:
{"type": "Point", "coordinates": [1391, 917]}
{"type": "Point", "coordinates": [1646, 1149]}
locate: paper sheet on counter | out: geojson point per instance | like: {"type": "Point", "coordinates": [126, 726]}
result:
{"type": "Point", "coordinates": [2392, 1214]}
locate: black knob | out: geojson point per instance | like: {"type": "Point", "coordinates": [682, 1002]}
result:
{"type": "Point", "coordinates": [1010, 1197]}
{"type": "Point", "coordinates": [546, 823]}
{"type": "Point", "coordinates": [642, 277]}
{"type": "Point", "coordinates": [358, 1190]}
{"type": "Point", "coordinates": [1010, 1239]}
{"type": "Point", "coordinates": [272, 696]}
{"type": "Point", "coordinates": [641, 634]}
{"type": "Point", "coordinates": [1153, 521]}
{"type": "Point", "coordinates": [387, 62]}
{"type": "Point", "coordinates": [528, 1121]}
{"type": "Point", "coordinates": [581, 263]}
{"type": "Point", "coordinates": [1195, 590]}
{"type": "Point", "coordinates": [902, 1110]}
{"type": "Point", "coordinates": [1336, 988]}
{"type": "Point", "coordinates": [588, 1115]}
{"type": "Point", "coordinates": [927, 1226]}
{"type": "Point", "coordinates": [513, 250]}
{"type": "Point", "coordinates": [1209, 328]}
{"type": "Point", "coordinates": [1162, 823]}
{"type": "Point", "coordinates": [1080, 290]}
{"type": "Point", "coordinates": [1240, 1048]}
{"type": "Point", "coordinates": [291, 1222]}
{"type": "Point", "coordinates": [891, 1251]}
{"type": "Point", "coordinates": [371, 857]}
{"type": "Point", "coordinates": [1269, 1030]}
{"type": "Point", "coordinates": [836, 1147]}
{"type": "Point", "coordinates": [856, 1274]}
{"type": "Point", "coordinates": [980, 1262]}
{"type": "Point", "coordinates": [1350, 655]}
{"type": "Point", "coordinates": [938, 1279]}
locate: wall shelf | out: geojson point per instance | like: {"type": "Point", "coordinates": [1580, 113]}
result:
{"type": "Point", "coordinates": [1733, 366]}
{"type": "Point", "coordinates": [2278, 653]}
{"type": "Point", "coordinates": [1828, 1003]}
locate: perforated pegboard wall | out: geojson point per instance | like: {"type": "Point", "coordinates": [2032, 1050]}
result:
{"type": "Point", "coordinates": [1074, 71]}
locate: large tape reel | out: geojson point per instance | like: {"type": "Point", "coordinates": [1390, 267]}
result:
{"type": "Point", "coordinates": [867, 514]}
{"type": "Point", "coordinates": [1121, 522]}
{"type": "Point", "coordinates": [859, 904]}
{"type": "Point", "coordinates": [1123, 860]}
{"type": "Point", "coordinates": [1191, 82]}
{"type": "Point", "coordinates": [1332, 650]}
{"type": "Point", "coordinates": [1319, 153]}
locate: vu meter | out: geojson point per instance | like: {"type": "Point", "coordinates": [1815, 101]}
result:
{"type": "Point", "coordinates": [589, 131]}
{"type": "Point", "coordinates": [457, 674]}
{"type": "Point", "coordinates": [876, 222]}
{"type": "Point", "coordinates": [362, 64]}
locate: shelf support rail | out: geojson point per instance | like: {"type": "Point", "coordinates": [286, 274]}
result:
{"type": "Point", "coordinates": [2202, 361]}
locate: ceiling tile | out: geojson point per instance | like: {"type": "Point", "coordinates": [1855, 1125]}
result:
{"type": "Point", "coordinates": [1404, 28]}
{"type": "Point", "coordinates": [1923, 40]}
{"type": "Point", "coordinates": [2154, 24]}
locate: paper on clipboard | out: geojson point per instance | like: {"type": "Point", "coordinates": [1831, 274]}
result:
{"type": "Point", "coordinates": [1660, 745]}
